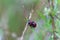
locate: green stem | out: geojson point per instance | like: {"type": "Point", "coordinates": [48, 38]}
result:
{"type": "Point", "coordinates": [53, 28]}
{"type": "Point", "coordinates": [53, 23]}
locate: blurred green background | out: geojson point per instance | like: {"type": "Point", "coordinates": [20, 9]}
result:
{"type": "Point", "coordinates": [14, 15]}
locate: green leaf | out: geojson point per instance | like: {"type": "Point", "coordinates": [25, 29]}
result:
{"type": "Point", "coordinates": [58, 1]}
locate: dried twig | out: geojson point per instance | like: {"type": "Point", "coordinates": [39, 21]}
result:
{"type": "Point", "coordinates": [26, 25]}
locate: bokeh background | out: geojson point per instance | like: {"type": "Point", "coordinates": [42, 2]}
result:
{"type": "Point", "coordinates": [14, 15]}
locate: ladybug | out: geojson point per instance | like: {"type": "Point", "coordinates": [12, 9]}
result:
{"type": "Point", "coordinates": [32, 24]}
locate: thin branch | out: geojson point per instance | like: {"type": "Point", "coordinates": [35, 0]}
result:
{"type": "Point", "coordinates": [53, 27]}
{"type": "Point", "coordinates": [26, 25]}
{"type": "Point", "coordinates": [53, 23]}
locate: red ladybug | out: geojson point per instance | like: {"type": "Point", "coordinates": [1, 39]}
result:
{"type": "Point", "coordinates": [32, 24]}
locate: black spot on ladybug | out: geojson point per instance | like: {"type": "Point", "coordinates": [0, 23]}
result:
{"type": "Point", "coordinates": [32, 24]}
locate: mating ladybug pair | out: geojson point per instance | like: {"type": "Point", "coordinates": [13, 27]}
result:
{"type": "Point", "coordinates": [32, 24]}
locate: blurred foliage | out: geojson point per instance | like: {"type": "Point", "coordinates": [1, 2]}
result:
{"type": "Point", "coordinates": [16, 19]}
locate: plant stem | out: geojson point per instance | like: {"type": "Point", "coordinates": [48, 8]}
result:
{"type": "Point", "coordinates": [53, 27]}
{"type": "Point", "coordinates": [26, 26]}
{"type": "Point", "coordinates": [53, 23]}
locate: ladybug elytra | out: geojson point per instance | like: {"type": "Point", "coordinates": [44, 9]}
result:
{"type": "Point", "coordinates": [32, 24]}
